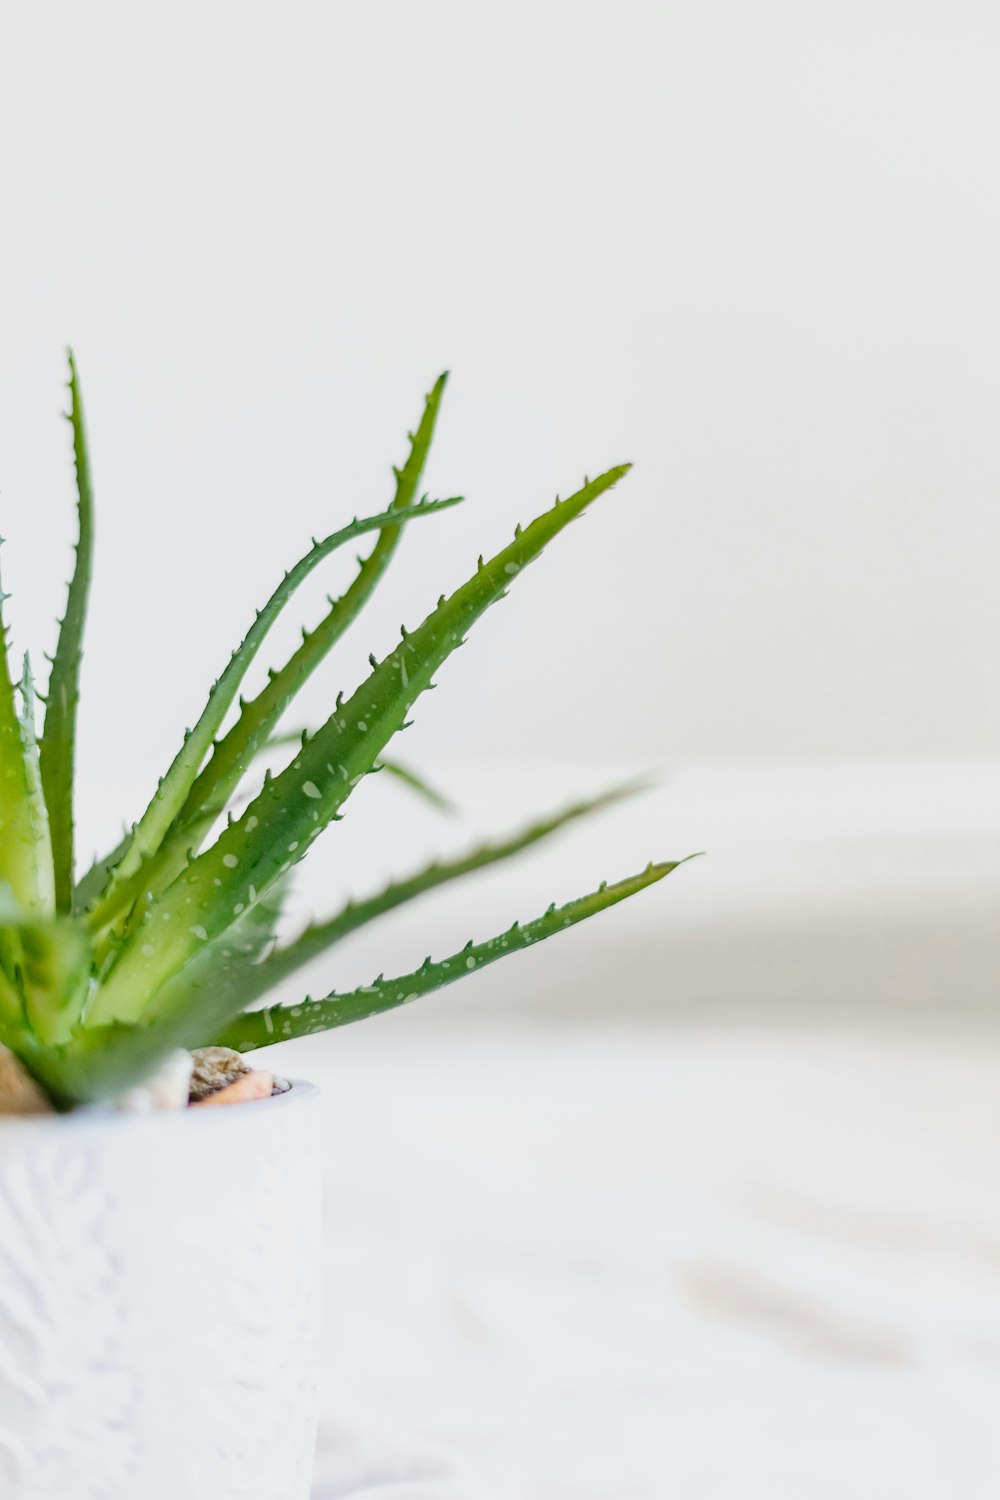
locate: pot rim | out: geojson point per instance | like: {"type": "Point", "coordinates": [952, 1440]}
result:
{"type": "Point", "coordinates": [100, 1119]}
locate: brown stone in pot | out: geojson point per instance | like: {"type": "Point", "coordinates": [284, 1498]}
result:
{"type": "Point", "coordinates": [254, 1084]}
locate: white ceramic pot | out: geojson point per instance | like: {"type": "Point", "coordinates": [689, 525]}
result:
{"type": "Point", "coordinates": [159, 1303]}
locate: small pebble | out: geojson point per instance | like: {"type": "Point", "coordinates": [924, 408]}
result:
{"type": "Point", "coordinates": [215, 1068]}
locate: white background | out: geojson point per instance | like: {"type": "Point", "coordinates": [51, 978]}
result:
{"type": "Point", "coordinates": [753, 248]}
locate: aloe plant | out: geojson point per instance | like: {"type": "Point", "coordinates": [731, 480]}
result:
{"type": "Point", "coordinates": [169, 939]}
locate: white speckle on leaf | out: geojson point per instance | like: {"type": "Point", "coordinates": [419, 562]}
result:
{"type": "Point", "coordinates": [199, 932]}
{"type": "Point", "coordinates": [252, 822]}
{"type": "Point", "coordinates": [230, 861]}
{"type": "Point", "coordinates": [362, 726]}
{"type": "Point", "coordinates": [470, 963]}
{"type": "Point", "coordinates": [311, 789]}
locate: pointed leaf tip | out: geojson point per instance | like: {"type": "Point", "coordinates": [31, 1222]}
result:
{"type": "Point", "coordinates": [341, 1009]}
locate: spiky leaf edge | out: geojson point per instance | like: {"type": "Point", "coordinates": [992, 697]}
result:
{"type": "Point", "coordinates": [25, 850]}
{"type": "Point", "coordinates": [212, 995]}
{"type": "Point", "coordinates": [58, 741]}
{"type": "Point", "coordinates": [292, 808]}
{"type": "Point", "coordinates": [170, 795]}
{"type": "Point", "coordinates": [284, 1022]}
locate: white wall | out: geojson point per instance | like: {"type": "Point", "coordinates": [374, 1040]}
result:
{"type": "Point", "coordinates": [753, 248]}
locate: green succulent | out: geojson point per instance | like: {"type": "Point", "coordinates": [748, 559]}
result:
{"type": "Point", "coordinates": [169, 940]}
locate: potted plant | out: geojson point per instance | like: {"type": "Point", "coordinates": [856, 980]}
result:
{"type": "Point", "coordinates": [159, 1271]}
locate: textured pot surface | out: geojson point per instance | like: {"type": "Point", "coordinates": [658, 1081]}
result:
{"type": "Point", "coordinates": [159, 1303]}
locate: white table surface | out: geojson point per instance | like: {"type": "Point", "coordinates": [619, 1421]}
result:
{"type": "Point", "coordinates": [644, 1261]}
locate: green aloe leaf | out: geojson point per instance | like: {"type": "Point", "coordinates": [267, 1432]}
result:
{"type": "Point", "coordinates": [222, 979]}
{"type": "Point", "coordinates": [175, 786]}
{"type": "Point", "coordinates": [55, 970]}
{"type": "Point", "coordinates": [13, 1017]}
{"type": "Point", "coordinates": [54, 967]}
{"type": "Point", "coordinates": [280, 1023]}
{"type": "Point", "coordinates": [225, 994]}
{"type": "Point", "coordinates": [98, 1063]}
{"type": "Point", "coordinates": [25, 850]}
{"type": "Point", "coordinates": [281, 823]}
{"type": "Point", "coordinates": [58, 743]}
{"type": "Point", "coordinates": [37, 806]}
